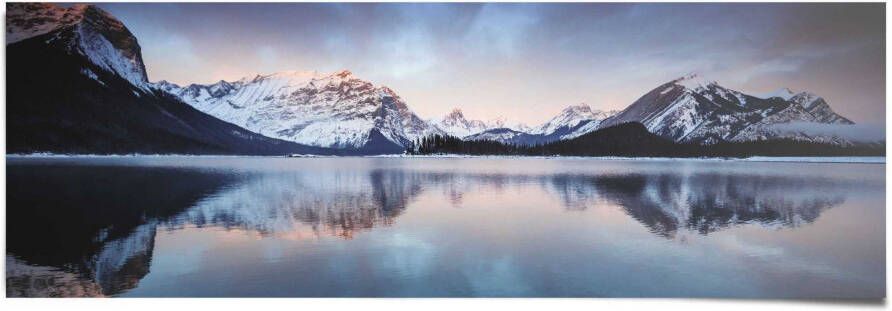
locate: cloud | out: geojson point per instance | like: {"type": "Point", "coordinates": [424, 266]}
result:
{"type": "Point", "coordinates": [170, 57]}
{"type": "Point", "coordinates": [405, 54]}
{"type": "Point", "coordinates": [499, 29]}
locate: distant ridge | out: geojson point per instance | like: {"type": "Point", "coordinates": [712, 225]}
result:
{"type": "Point", "coordinates": [632, 139]}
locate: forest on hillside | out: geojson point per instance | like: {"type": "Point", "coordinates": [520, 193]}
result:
{"type": "Point", "coordinates": [633, 140]}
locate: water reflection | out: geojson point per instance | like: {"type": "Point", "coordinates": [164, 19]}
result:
{"type": "Point", "coordinates": [95, 234]}
{"type": "Point", "coordinates": [92, 226]}
{"type": "Point", "coordinates": [337, 204]}
{"type": "Point", "coordinates": [704, 203]}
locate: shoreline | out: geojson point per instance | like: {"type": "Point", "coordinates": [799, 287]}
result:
{"type": "Point", "coordinates": [781, 159]}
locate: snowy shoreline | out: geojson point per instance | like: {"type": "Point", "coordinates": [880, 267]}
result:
{"type": "Point", "coordinates": [843, 159]}
{"type": "Point", "coordinates": [862, 160]}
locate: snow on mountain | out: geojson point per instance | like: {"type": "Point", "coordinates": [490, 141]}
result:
{"type": "Point", "coordinates": [571, 122]}
{"type": "Point", "coordinates": [455, 124]}
{"type": "Point", "coordinates": [341, 111]}
{"type": "Point", "coordinates": [501, 122]}
{"type": "Point", "coordinates": [327, 110]}
{"type": "Point", "coordinates": [695, 82]}
{"type": "Point", "coordinates": [783, 93]}
{"type": "Point", "coordinates": [819, 108]}
{"type": "Point", "coordinates": [571, 117]}
{"type": "Point", "coordinates": [695, 109]}
{"type": "Point", "coordinates": [93, 95]}
{"type": "Point", "coordinates": [505, 136]}
{"type": "Point", "coordinates": [518, 126]}
{"type": "Point", "coordinates": [82, 29]}
{"type": "Point", "coordinates": [812, 103]}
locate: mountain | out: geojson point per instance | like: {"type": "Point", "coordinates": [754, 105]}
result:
{"type": "Point", "coordinates": [77, 84]}
{"type": "Point", "coordinates": [335, 110]}
{"type": "Point", "coordinates": [571, 117]}
{"type": "Point", "coordinates": [698, 110]}
{"type": "Point", "coordinates": [507, 136]}
{"type": "Point", "coordinates": [818, 107]}
{"type": "Point", "coordinates": [81, 29]}
{"type": "Point", "coordinates": [633, 139]}
{"type": "Point", "coordinates": [501, 122]}
{"type": "Point", "coordinates": [628, 139]}
{"type": "Point", "coordinates": [571, 122]}
{"type": "Point", "coordinates": [455, 124]}
{"type": "Point", "coordinates": [783, 93]}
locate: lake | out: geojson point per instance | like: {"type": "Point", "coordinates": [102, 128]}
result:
{"type": "Point", "coordinates": [431, 227]}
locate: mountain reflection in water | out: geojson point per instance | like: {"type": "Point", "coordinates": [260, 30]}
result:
{"type": "Point", "coordinates": [90, 230]}
{"type": "Point", "coordinates": [705, 202]}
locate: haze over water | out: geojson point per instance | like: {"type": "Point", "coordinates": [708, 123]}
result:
{"type": "Point", "coordinates": [407, 227]}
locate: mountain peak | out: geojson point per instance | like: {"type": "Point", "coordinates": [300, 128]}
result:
{"type": "Point", "coordinates": [569, 117]}
{"type": "Point", "coordinates": [455, 124]}
{"type": "Point", "coordinates": [806, 99]}
{"type": "Point", "coordinates": [581, 108]}
{"type": "Point", "coordinates": [81, 7]}
{"type": "Point", "coordinates": [343, 74]}
{"type": "Point", "coordinates": [302, 75]}
{"type": "Point", "coordinates": [27, 20]}
{"type": "Point", "coordinates": [783, 93]}
{"type": "Point", "coordinates": [455, 114]}
{"type": "Point", "coordinates": [324, 109]}
{"type": "Point", "coordinates": [89, 9]}
{"type": "Point", "coordinates": [81, 29]}
{"type": "Point", "coordinates": [165, 84]}
{"type": "Point", "coordinates": [694, 81]}
{"type": "Point", "coordinates": [305, 76]}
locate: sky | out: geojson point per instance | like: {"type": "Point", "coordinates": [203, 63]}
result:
{"type": "Point", "coordinates": [526, 62]}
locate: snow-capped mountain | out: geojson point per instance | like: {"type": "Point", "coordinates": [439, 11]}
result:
{"type": "Point", "coordinates": [455, 124]}
{"type": "Point", "coordinates": [334, 110]}
{"type": "Point", "coordinates": [501, 122]}
{"type": "Point", "coordinates": [818, 107]}
{"type": "Point", "coordinates": [507, 136]}
{"type": "Point", "coordinates": [783, 93]}
{"type": "Point", "coordinates": [93, 94]}
{"type": "Point", "coordinates": [812, 103]}
{"type": "Point", "coordinates": [572, 116]}
{"type": "Point", "coordinates": [571, 122]}
{"type": "Point", "coordinates": [82, 29]}
{"type": "Point", "coordinates": [695, 109]}
{"type": "Point", "coordinates": [94, 97]}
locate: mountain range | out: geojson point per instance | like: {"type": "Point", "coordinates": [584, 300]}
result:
{"type": "Point", "coordinates": [455, 124]}
{"type": "Point", "coordinates": [570, 123]}
{"type": "Point", "coordinates": [77, 84]}
{"type": "Point", "coordinates": [334, 110]}
{"type": "Point", "coordinates": [698, 110]}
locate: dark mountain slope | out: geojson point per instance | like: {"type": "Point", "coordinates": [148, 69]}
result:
{"type": "Point", "coordinates": [54, 106]}
{"type": "Point", "coordinates": [627, 139]}
{"type": "Point", "coordinates": [67, 94]}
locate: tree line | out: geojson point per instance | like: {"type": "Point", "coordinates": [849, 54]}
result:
{"type": "Point", "coordinates": [633, 140]}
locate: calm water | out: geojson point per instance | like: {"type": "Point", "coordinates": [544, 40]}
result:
{"type": "Point", "coordinates": [204, 226]}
